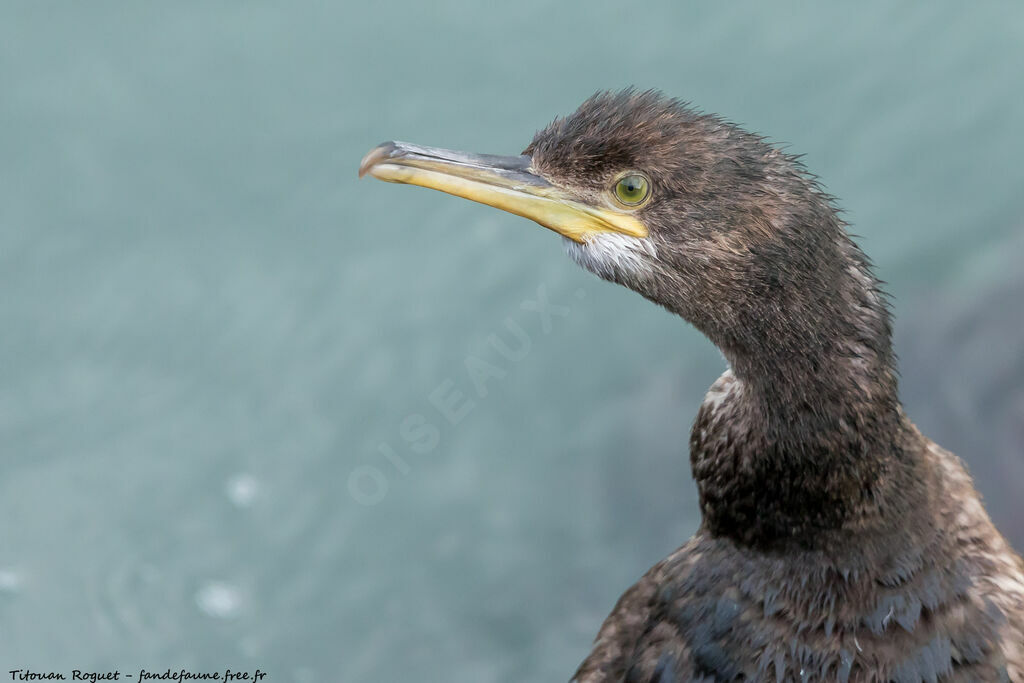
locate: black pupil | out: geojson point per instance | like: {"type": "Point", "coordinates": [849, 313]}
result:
{"type": "Point", "coordinates": [632, 187]}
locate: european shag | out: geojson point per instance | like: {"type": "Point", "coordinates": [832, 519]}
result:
{"type": "Point", "coordinates": [837, 542]}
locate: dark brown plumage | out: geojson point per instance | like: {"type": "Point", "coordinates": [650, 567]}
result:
{"type": "Point", "coordinates": [837, 542]}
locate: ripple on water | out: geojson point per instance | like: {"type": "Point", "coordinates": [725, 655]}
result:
{"type": "Point", "coordinates": [133, 601]}
{"type": "Point", "coordinates": [10, 580]}
{"type": "Point", "coordinates": [220, 599]}
{"type": "Point", "coordinates": [242, 489]}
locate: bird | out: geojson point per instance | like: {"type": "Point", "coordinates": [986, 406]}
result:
{"type": "Point", "coordinates": [836, 542]}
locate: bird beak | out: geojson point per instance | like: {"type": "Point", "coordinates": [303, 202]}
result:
{"type": "Point", "coordinates": [506, 183]}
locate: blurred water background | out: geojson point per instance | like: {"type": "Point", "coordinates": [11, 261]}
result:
{"type": "Point", "coordinates": [216, 341]}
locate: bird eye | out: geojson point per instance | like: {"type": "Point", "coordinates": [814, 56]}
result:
{"type": "Point", "coordinates": [632, 189]}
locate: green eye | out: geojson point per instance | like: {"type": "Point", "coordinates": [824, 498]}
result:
{"type": "Point", "coordinates": [632, 189]}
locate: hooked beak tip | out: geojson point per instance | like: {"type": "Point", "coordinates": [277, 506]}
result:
{"type": "Point", "coordinates": [385, 150]}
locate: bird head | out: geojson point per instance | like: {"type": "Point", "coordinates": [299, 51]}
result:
{"type": "Point", "coordinates": [690, 211]}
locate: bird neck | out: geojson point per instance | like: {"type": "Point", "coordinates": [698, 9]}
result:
{"type": "Point", "coordinates": [800, 443]}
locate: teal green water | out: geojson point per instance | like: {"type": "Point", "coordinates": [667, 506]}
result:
{"type": "Point", "coordinates": [222, 354]}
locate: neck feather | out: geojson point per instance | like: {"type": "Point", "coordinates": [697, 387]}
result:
{"type": "Point", "coordinates": [800, 442]}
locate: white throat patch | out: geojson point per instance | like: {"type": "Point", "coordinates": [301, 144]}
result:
{"type": "Point", "coordinates": [610, 254]}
